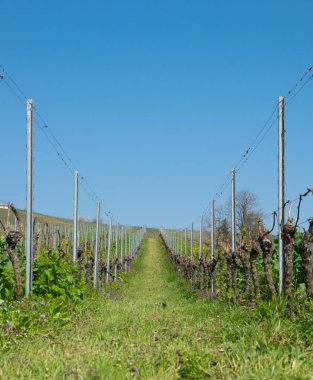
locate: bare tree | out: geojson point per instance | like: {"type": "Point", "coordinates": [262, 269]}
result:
{"type": "Point", "coordinates": [248, 213]}
{"type": "Point", "coordinates": [222, 225]}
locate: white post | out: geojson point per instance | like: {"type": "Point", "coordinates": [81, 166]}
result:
{"type": "Point", "coordinates": [281, 186]}
{"type": "Point", "coordinates": [95, 274]}
{"type": "Point", "coordinates": [200, 238]}
{"type": "Point", "coordinates": [125, 250]}
{"type": "Point", "coordinates": [212, 238]}
{"type": "Point", "coordinates": [122, 246]}
{"type": "Point", "coordinates": [181, 242]}
{"type": "Point", "coordinates": [175, 250]}
{"type": "Point", "coordinates": [75, 232]}
{"type": "Point", "coordinates": [129, 249]}
{"type": "Point", "coordinates": [29, 196]}
{"type": "Point", "coordinates": [109, 250]}
{"type": "Point", "coordinates": [191, 241]}
{"type": "Point", "coordinates": [116, 252]}
{"type": "Point", "coordinates": [233, 210]}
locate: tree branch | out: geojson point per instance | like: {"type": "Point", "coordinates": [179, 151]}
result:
{"type": "Point", "coordinates": [309, 191]}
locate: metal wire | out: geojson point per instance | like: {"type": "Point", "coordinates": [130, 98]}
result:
{"type": "Point", "coordinates": [52, 139]}
{"type": "Point", "coordinates": [263, 132]}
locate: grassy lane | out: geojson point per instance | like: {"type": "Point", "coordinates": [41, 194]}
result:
{"type": "Point", "coordinates": [153, 328]}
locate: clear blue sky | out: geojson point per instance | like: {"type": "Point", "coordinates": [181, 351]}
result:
{"type": "Point", "coordinates": [155, 100]}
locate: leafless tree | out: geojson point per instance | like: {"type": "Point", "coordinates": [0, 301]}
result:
{"type": "Point", "coordinates": [248, 212]}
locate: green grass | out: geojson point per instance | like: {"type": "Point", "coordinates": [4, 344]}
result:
{"type": "Point", "coordinates": [126, 332]}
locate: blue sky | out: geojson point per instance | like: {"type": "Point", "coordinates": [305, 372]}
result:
{"type": "Point", "coordinates": [155, 101]}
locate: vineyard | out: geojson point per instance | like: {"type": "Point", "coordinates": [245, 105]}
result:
{"type": "Point", "coordinates": [151, 325]}
{"type": "Point", "coordinates": [57, 280]}
{"type": "Point", "coordinates": [123, 301]}
{"type": "Point", "coordinates": [54, 243]}
{"type": "Point", "coordinates": [251, 271]}
{"type": "Point", "coordinates": [156, 198]}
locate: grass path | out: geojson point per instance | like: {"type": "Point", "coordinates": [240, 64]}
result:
{"type": "Point", "coordinates": [153, 328]}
